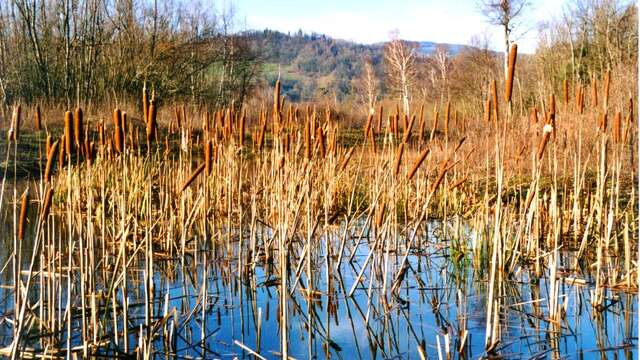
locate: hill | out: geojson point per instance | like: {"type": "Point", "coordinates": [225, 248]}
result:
{"type": "Point", "coordinates": [315, 65]}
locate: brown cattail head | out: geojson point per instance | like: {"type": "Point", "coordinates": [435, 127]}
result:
{"type": "Point", "coordinates": [192, 177]}
{"type": "Point", "coordinates": [61, 153]}
{"type": "Point", "coordinates": [118, 131]}
{"type": "Point", "coordinates": [46, 205]}
{"type": "Point", "coordinates": [534, 115]}
{"type": "Point", "coordinates": [417, 163]}
{"type": "Point", "coordinates": [320, 142]}
{"type": "Point", "coordinates": [152, 123]}
{"type": "Point", "coordinates": [276, 101]}
{"type": "Point", "coordinates": [47, 144]}
{"type": "Point", "coordinates": [552, 106]}
{"type": "Point", "coordinates": [51, 154]}
{"type": "Point", "coordinates": [372, 141]}
{"type": "Point", "coordinates": [367, 125]}
{"type": "Point", "coordinates": [441, 174]}
{"type": "Point", "coordinates": [347, 157]}
{"type": "Point", "coordinates": [602, 126]}
{"type": "Point", "coordinates": [617, 128]}
{"type": "Point", "coordinates": [23, 214]}
{"type": "Point", "coordinates": [379, 125]}
{"type": "Point", "coordinates": [398, 160]}
{"type": "Point", "coordinates": [145, 103]}
{"type": "Point", "coordinates": [407, 130]}
{"type": "Point", "coordinates": [37, 119]}
{"type": "Point", "coordinates": [546, 133]}
{"type": "Point", "coordinates": [513, 53]}
{"type": "Point", "coordinates": [78, 128]}
{"type": "Point", "coordinates": [380, 214]}
{"type": "Point", "coordinates": [487, 111]}
{"type": "Point", "coordinates": [68, 133]}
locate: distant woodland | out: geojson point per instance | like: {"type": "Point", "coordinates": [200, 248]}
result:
{"type": "Point", "coordinates": [103, 51]}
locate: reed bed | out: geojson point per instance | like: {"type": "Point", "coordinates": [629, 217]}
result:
{"type": "Point", "coordinates": [135, 249]}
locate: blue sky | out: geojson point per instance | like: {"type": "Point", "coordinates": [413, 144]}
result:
{"type": "Point", "coordinates": [369, 21]}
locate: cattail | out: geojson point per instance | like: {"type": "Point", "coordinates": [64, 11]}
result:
{"type": "Point", "coordinates": [207, 157]}
{"type": "Point", "coordinates": [320, 142]}
{"type": "Point", "coordinates": [607, 84]}
{"type": "Point", "coordinates": [407, 131]}
{"type": "Point", "coordinates": [367, 126]}
{"type": "Point", "coordinates": [37, 121]}
{"type": "Point", "coordinates": [101, 137]}
{"type": "Point", "coordinates": [487, 111]}
{"type": "Point", "coordinates": [440, 178]}
{"type": "Point", "coordinates": [78, 129]}
{"type": "Point", "coordinates": [513, 54]}
{"type": "Point", "coordinates": [145, 103]}
{"type": "Point", "coordinates": [263, 130]}
{"type": "Point", "coordinates": [617, 128]}
{"type": "Point", "coordinates": [398, 160]}
{"type": "Point", "coordinates": [552, 106]}
{"type": "Point", "coordinates": [192, 178]}
{"type": "Point", "coordinates": [533, 115]}
{"type": "Point", "coordinates": [581, 102]}
{"type": "Point", "coordinates": [23, 214]}
{"type": "Point", "coordinates": [380, 215]}
{"type": "Point", "coordinates": [546, 133]}
{"type": "Point", "coordinates": [603, 122]}
{"type": "Point", "coordinates": [345, 162]}
{"type": "Point", "coordinates": [372, 140]}
{"type": "Point", "coordinates": [379, 126]}
{"type": "Point", "coordinates": [565, 92]}
{"type": "Point", "coordinates": [417, 163]}
{"type": "Point", "coordinates": [50, 156]}
{"type": "Point", "coordinates": [68, 133]}
{"type": "Point", "coordinates": [117, 130]}
{"type": "Point", "coordinates": [88, 151]}
{"type": "Point", "coordinates": [152, 130]}
{"type": "Point", "coordinates": [62, 153]}
{"type": "Point", "coordinates": [46, 205]}
{"type": "Point", "coordinates": [494, 100]}
{"type": "Point", "coordinates": [307, 139]}
{"type": "Point", "coordinates": [47, 144]}
{"type": "Point", "coordinates": [276, 100]}
{"type": "Point", "coordinates": [457, 184]}
{"type": "Point", "coordinates": [459, 144]}
{"type": "Point", "coordinates": [178, 117]}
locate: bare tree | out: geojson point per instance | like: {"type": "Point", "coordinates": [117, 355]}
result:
{"type": "Point", "coordinates": [443, 62]}
{"type": "Point", "coordinates": [367, 87]}
{"type": "Point", "coordinates": [505, 13]}
{"type": "Point", "coordinates": [399, 57]}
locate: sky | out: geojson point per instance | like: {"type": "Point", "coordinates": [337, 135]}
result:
{"type": "Point", "coordinates": [371, 21]}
